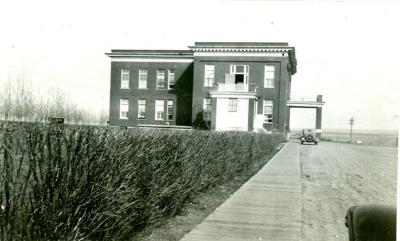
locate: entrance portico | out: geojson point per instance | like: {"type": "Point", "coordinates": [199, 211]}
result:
{"type": "Point", "coordinates": [317, 105]}
{"type": "Point", "coordinates": [232, 108]}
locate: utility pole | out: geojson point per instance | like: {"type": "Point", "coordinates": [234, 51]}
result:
{"type": "Point", "coordinates": [351, 128]}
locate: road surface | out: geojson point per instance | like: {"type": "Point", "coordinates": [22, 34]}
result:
{"type": "Point", "coordinates": [303, 193]}
{"type": "Point", "coordinates": [336, 176]}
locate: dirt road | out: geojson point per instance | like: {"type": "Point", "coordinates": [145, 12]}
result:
{"type": "Point", "coordinates": [337, 176]}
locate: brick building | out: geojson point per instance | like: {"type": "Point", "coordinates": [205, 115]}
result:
{"type": "Point", "coordinates": [221, 85]}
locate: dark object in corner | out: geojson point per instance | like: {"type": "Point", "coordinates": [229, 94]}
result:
{"type": "Point", "coordinates": [371, 222]}
{"type": "Point", "coordinates": [56, 120]}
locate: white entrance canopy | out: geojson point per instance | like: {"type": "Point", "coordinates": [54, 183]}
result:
{"type": "Point", "coordinates": [305, 104]}
{"type": "Point", "coordinates": [310, 104]}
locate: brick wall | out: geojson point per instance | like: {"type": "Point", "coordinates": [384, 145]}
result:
{"type": "Point", "coordinates": [256, 77]}
{"type": "Point", "coordinates": [181, 95]}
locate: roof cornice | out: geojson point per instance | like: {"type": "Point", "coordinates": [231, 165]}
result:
{"type": "Point", "coordinates": [241, 49]}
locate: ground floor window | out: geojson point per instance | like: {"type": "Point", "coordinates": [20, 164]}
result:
{"type": "Point", "coordinates": [170, 110]}
{"type": "Point", "coordinates": [123, 109]}
{"type": "Point", "coordinates": [267, 111]}
{"type": "Point", "coordinates": [232, 105]}
{"type": "Point", "coordinates": [159, 115]}
{"type": "Point", "coordinates": [141, 109]}
{"type": "Point", "coordinates": [207, 108]}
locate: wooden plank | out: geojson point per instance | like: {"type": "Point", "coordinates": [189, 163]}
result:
{"type": "Point", "coordinates": [267, 207]}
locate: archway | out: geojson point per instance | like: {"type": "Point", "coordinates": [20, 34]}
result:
{"type": "Point", "coordinates": [317, 105]}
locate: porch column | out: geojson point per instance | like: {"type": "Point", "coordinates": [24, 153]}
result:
{"type": "Point", "coordinates": [213, 113]}
{"type": "Point", "coordinates": [250, 121]}
{"type": "Point", "coordinates": [318, 124]}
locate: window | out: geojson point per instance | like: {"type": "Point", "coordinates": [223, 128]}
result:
{"type": "Point", "coordinates": [124, 78]}
{"type": "Point", "coordinates": [269, 76]}
{"type": "Point", "coordinates": [123, 109]}
{"type": "Point", "coordinates": [142, 79]}
{"type": "Point", "coordinates": [240, 73]}
{"type": "Point", "coordinates": [207, 108]}
{"type": "Point", "coordinates": [232, 105]}
{"type": "Point", "coordinates": [160, 79]}
{"type": "Point", "coordinates": [159, 110]}
{"type": "Point", "coordinates": [141, 114]}
{"type": "Point", "coordinates": [171, 79]}
{"type": "Point", "coordinates": [170, 110]}
{"type": "Point", "coordinates": [209, 75]}
{"type": "Point", "coordinates": [267, 111]}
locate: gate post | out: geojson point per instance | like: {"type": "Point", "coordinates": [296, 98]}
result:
{"type": "Point", "coordinates": [318, 124]}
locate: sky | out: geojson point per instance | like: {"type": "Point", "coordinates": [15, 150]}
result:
{"type": "Point", "coordinates": [348, 51]}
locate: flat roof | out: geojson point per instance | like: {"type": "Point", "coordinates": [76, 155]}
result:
{"type": "Point", "coordinates": [152, 52]}
{"type": "Point", "coordinates": [241, 44]}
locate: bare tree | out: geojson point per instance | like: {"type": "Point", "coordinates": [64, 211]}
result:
{"type": "Point", "coordinates": [6, 100]}
{"type": "Point", "coordinates": [19, 101]}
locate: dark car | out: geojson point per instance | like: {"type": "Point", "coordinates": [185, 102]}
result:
{"type": "Point", "coordinates": [308, 135]}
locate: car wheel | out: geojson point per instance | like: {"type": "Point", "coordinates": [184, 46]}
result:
{"type": "Point", "coordinates": [316, 143]}
{"type": "Point", "coordinates": [309, 138]}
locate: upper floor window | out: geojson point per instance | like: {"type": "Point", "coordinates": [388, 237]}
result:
{"type": "Point", "coordinates": [141, 109]}
{"type": "Point", "coordinates": [170, 110]}
{"type": "Point", "coordinates": [207, 108]}
{"type": "Point", "coordinates": [267, 110]}
{"type": "Point", "coordinates": [124, 78]}
{"type": "Point", "coordinates": [240, 73]}
{"type": "Point", "coordinates": [209, 75]}
{"type": "Point", "coordinates": [159, 115]}
{"type": "Point", "coordinates": [171, 79]}
{"type": "Point", "coordinates": [269, 76]}
{"type": "Point", "coordinates": [232, 105]}
{"type": "Point", "coordinates": [123, 109]}
{"type": "Point", "coordinates": [142, 79]}
{"type": "Point", "coordinates": [160, 83]}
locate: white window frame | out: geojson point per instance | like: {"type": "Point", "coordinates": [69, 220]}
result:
{"type": "Point", "coordinates": [170, 110]}
{"type": "Point", "coordinates": [125, 76]}
{"type": "Point", "coordinates": [232, 105]}
{"type": "Point", "coordinates": [159, 110]}
{"type": "Point", "coordinates": [141, 111]}
{"type": "Point", "coordinates": [209, 75]}
{"type": "Point", "coordinates": [171, 79]}
{"type": "Point", "coordinates": [234, 71]}
{"type": "Point", "coordinates": [142, 83]}
{"type": "Point", "coordinates": [207, 108]}
{"type": "Point", "coordinates": [160, 77]}
{"type": "Point", "coordinates": [269, 81]}
{"type": "Point", "coordinates": [123, 109]}
{"type": "Point", "coordinates": [268, 115]}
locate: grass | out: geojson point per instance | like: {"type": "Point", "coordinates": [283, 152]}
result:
{"type": "Point", "coordinates": [371, 139]}
{"type": "Point", "coordinates": [90, 183]}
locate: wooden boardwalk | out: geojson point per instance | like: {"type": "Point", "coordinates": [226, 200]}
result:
{"type": "Point", "coordinates": [267, 207]}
